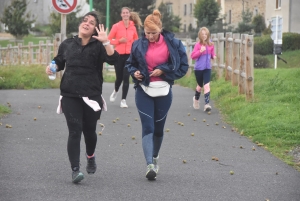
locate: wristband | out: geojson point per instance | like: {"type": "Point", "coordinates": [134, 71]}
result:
{"type": "Point", "coordinates": [106, 43]}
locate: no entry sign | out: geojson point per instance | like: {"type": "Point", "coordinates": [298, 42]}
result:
{"type": "Point", "coordinates": [64, 6]}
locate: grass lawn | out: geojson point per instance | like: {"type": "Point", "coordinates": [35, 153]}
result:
{"type": "Point", "coordinates": [27, 39]}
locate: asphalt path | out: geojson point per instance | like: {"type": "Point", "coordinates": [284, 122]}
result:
{"type": "Point", "coordinates": [34, 163]}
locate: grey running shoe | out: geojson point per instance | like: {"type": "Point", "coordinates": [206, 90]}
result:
{"type": "Point", "coordinates": [77, 176]}
{"type": "Point", "coordinates": [91, 166]}
{"type": "Point", "coordinates": [196, 103]}
{"type": "Point", "coordinates": [150, 174]}
{"type": "Point", "coordinates": [155, 163]}
{"type": "Point", "coordinates": [207, 108]}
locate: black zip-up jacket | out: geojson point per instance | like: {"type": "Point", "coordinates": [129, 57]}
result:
{"type": "Point", "coordinates": [83, 67]}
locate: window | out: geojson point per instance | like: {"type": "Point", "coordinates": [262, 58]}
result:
{"type": "Point", "coordinates": [184, 12]}
{"type": "Point", "coordinates": [255, 11]}
{"type": "Point", "coordinates": [229, 17]}
{"type": "Point", "coordinates": [184, 28]}
{"type": "Point", "coordinates": [191, 8]}
{"type": "Point", "coordinates": [278, 4]}
{"type": "Point", "coordinates": [169, 7]}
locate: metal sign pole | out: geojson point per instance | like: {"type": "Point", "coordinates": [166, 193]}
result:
{"type": "Point", "coordinates": [107, 14]}
{"type": "Point", "coordinates": [63, 27]}
{"type": "Point", "coordinates": [275, 41]}
{"type": "Point", "coordinates": [91, 5]}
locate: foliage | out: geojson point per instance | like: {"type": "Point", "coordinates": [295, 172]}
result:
{"type": "Point", "coordinates": [291, 41]}
{"type": "Point", "coordinates": [258, 24]}
{"type": "Point", "coordinates": [72, 22]}
{"type": "Point", "coordinates": [220, 26]}
{"type": "Point", "coordinates": [26, 77]}
{"type": "Point", "coordinates": [264, 45]}
{"type": "Point", "coordinates": [170, 22]}
{"type": "Point", "coordinates": [15, 19]}
{"type": "Point", "coordinates": [206, 12]}
{"type": "Point", "coordinates": [144, 8]}
{"type": "Point", "coordinates": [267, 30]}
{"type": "Point", "coordinates": [245, 26]}
{"type": "Point", "coordinates": [261, 61]}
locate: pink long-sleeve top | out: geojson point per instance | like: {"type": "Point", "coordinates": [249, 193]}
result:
{"type": "Point", "coordinates": [156, 54]}
{"type": "Point", "coordinates": [203, 58]}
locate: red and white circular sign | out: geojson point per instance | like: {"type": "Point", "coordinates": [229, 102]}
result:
{"type": "Point", "coordinates": [64, 6]}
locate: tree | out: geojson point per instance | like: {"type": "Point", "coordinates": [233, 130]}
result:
{"type": "Point", "coordinates": [15, 20]}
{"type": "Point", "coordinates": [206, 11]}
{"type": "Point", "coordinates": [72, 22]}
{"type": "Point", "coordinates": [258, 24]}
{"type": "Point", "coordinates": [169, 21]}
{"type": "Point", "coordinates": [245, 26]}
{"type": "Point", "coordinates": [143, 7]}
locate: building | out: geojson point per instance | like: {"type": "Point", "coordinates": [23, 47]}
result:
{"type": "Point", "coordinates": [288, 10]}
{"type": "Point", "coordinates": [183, 9]}
{"type": "Point", "coordinates": [233, 9]}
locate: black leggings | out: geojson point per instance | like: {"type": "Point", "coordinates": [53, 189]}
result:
{"type": "Point", "coordinates": [80, 118]}
{"type": "Point", "coordinates": [122, 75]}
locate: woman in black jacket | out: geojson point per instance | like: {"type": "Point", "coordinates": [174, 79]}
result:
{"type": "Point", "coordinates": [82, 58]}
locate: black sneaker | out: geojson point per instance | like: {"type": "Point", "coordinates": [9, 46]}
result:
{"type": "Point", "coordinates": [91, 166]}
{"type": "Point", "coordinates": [77, 176]}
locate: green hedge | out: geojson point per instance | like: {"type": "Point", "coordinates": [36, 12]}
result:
{"type": "Point", "coordinates": [264, 45]}
{"type": "Point", "coordinates": [261, 61]}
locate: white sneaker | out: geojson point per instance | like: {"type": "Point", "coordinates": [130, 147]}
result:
{"type": "Point", "coordinates": [196, 104]}
{"type": "Point", "coordinates": [113, 96]}
{"type": "Point", "coordinates": [123, 104]}
{"type": "Point", "coordinates": [155, 163]}
{"type": "Point", "coordinates": [207, 108]}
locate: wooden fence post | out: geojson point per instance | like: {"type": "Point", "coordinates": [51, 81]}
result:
{"type": "Point", "coordinates": [242, 65]}
{"type": "Point", "coordinates": [216, 44]}
{"type": "Point", "coordinates": [249, 67]}
{"type": "Point", "coordinates": [221, 54]}
{"type": "Point", "coordinates": [236, 59]}
{"type": "Point", "coordinates": [8, 55]}
{"type": "Point", "coordinates": [40, 57]}
{"type": "Point", "coordinates": [188, 43]}
{"type": "Point", "coordinates": [30, 53]}
{"type": "Point", "coordinates": [48, 52]}
{"type": "Point", "coordinates": [19, 53]}
{"type": "Point", "coordinates": [228, 57]}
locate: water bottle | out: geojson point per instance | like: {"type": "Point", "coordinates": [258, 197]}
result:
{"type": "Point", "coordinates": [53, 69]}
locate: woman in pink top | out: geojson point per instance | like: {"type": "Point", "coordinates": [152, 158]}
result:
{"type": "Point", "coordinates": [156, 56]}
{"type": "Point", "coordinates": [122, 35]}
{"type": "Point", "coordinates": [203, 52]}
